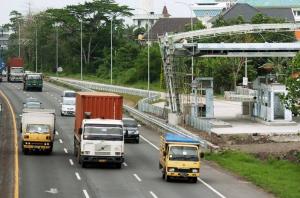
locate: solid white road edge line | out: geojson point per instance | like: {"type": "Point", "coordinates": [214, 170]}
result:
{"type": "Point", "coordinates": [71, 162]}
{"type": "Point", "coordinates": [66, 151]}
{"type": "Point", "coordinates": [137, 177]}
{"type": "Point", "coordinates": [149, 142]}
{"type": "Point", "coordinates": [78, 176]}
{"type": "Point", "coordinates": [153, 194]}
{"type": "Point", "coordinates": [211, 188]}
{"type": "Point", "coordinates": [85, 193]}
{"type": "Point", "coordinates": [206, 184]}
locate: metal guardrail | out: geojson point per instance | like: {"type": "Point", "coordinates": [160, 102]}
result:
{"type": "Point", "coordinates": [86, 86]}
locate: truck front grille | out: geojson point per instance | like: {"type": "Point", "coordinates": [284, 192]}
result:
{"type": "Point", "coordinates": [99, 153]}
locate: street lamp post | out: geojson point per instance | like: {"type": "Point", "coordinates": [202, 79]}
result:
{"type": "Point", "coordinates": [36, 58]}
{"type": "Point", "coordinates": [56, 25]}
{"type": "Point", "coordinates": [19, 39]}
{"type": "Point", "coordinates": [81, 50]}
{"type": "Point", "coordinates": [111, 50]}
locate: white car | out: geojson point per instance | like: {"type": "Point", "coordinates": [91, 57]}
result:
{"type": "Point", "coordinates": [68, 106]}
{"type": "Point", "coordinates": [69, 94]}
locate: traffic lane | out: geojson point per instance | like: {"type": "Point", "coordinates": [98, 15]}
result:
{"type": "Point", "coordinates": [42, 175]}
{"type": "Point", "coordinates": [6, 151]}
{"type": "Point", "coordinates": [218, 180]}
{"type": "Point", "coordinates": [107, 182]}
{"type": "Point", "coordinates": [141, 159]}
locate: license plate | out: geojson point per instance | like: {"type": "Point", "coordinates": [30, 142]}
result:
{"type": "Point", "coordinates": [102, 160]}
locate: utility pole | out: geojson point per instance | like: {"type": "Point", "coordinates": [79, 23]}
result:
{"type": "Point", "coordinates": [81, 50]}
{"type": "Point", "coordinates": [111, 50]}
{"type": "Point", "coordinates": [56, 50]}
{"type": "Point", "coordinates": [19, 39]}
{"type": "Point", "coordinates": [36, 58]}
{"type": "Point", "coordinates": [148, 55]}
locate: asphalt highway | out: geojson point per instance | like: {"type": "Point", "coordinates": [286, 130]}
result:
{"type": "Point", "coordinates": [59, 175]}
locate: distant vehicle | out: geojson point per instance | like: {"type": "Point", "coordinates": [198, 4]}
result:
{"type": "Point", "coordinates": [15, 71]}
{"type": "Point", "coordinates": [32, 103]}
{"type": "Point", "coordinates": [38, 130]}
{"type": "Point", "coordinates": [131, 130]}
{"type": "Point", "coordinates": [69, 94]}
{"type": "Point", "coordinates": [33, 81]}
{"type": "Point", "coordinates": [179, 157]}
{"type": "Point", "coordinates": [68, 106]}
{"type": "Point", "coordinates": [98, 133]}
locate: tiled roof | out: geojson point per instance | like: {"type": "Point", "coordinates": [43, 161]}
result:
{"type": "Point", "coordinates": [272, 3]}
{"type": "Point", "coordinates": [247, 12]}
{"type": "Point", "coordinates": [173, 25]}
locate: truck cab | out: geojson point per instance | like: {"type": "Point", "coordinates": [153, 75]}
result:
{"type": "Point", "coordinates": [38, 130]}
{"type": "Point", "coordinates": [179, 157]}
{"type": "Point", "coordinates": [33, 81]}
{"type": "Point", "coordinates": [102, 141]}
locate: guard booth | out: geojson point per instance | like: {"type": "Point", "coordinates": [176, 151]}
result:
{"type": "Point", "coordinates": [267, 104]}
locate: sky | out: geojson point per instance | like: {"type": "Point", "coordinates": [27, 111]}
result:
{"type": "Point", "coordinates": [175, 9]}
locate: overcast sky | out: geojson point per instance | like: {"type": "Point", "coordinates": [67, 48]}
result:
{"type": "Point", "coordinates": [175, 9]}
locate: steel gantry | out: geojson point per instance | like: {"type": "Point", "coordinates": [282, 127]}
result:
{"type": "Point", "coordinates": [185, 44]}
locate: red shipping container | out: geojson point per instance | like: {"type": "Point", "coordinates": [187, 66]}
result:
{"type": "Point", "coordinates": [15, 62]}
{"type": "Point", "coordinates": [99, 104]}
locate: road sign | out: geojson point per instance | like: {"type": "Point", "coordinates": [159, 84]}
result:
{"type": "Point", "coordinates": [60, 69]}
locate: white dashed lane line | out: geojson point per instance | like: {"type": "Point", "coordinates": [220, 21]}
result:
{"type": "Point", "coordinates": [56, 132]}
{"type": "Point", "coordinates": [77, 176]}
{"type": "Point", "coordinates": [124, 163]}
{"type": "Point", "coordinates": [137, 177]}
{"type": "Point", "coordinates": [153, 194]}
{"type": "Point", "coordinates": [60, 141]}
{"type": "Point", "coordinates": [66, 151]}
{"type": "Point", "coordinates": [71, 162]}
{"type": "Point", "coordinates": [85, 193]}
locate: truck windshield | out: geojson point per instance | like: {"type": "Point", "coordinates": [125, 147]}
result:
{"type": "Point", "coordinates": [130, 123]}
{"type": "Point", "coordinates": [69, 102]}
{"type": "Point", "coordinates": [17, 70]}
{"type": "Point", "coordinates": [103, 132]}
{"type": "Point", "coordinates": [182, 153]}
{"type": "Point", "coordinates": [34, 77]}
{"type": "Point", "coordinates": [37, 128]}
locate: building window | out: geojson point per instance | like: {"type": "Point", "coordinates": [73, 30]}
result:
{"type": "Point", "coordinates": [297, 12]}
{"type": "Point", "coordinates": [139, 23]}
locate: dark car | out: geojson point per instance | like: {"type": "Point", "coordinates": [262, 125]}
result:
{"type": "Point", "coordinates": [131, 130]}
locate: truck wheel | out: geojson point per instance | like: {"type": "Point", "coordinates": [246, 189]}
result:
{"type": "Point", "coordinates": [25, 151]}
{"type": "Point", "coordinates": [167, 178]}
{"type": "Point", "coordinates": [118, 165]}
{"type": "Point", "coordinates": [83, 164]}
{"type": "Point", "coordinates": [193, 180]}
{"type": "Point", "coordinates": [137, 141]}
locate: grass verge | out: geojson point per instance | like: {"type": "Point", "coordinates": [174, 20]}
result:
{"type": "Point", "coordinates": [279, 177]}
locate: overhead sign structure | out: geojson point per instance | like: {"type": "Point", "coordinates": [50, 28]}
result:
{"type": "Point", "coordinates": [183, 44]}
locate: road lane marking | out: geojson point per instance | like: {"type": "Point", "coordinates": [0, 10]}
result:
{"type": "Point", "coordinates": [56, 132]}
{"type": "Point", "coordinates": [16, 149]}
{"type": "Point", "coordinates": [200, 180]}
{"type": "Point", "coordinates": [78, 176]}
{"type": "Point", "coordinates": [60, 141]}
{"type": "Point", "coordinates": [153, 194]}
{"type": "Point", "coordinates": [71, 162]}
{"type": "Point", "coordinates": [66, 151]}
{"type": "Point", "coordinates": [85, 193]}
{"type": "Point", "coordinates": [211, 188]}
{"type": "Point", "coordinates": [137, 177]}
{"type": "Point", "coordinates": [124, 163]}
{"type": "Point", "coordinates": [149, 142]}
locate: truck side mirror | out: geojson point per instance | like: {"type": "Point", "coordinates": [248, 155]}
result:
{"type": "Point", "coordinates": [80, 131]}
{"type": "Point", "coordinates": [201, 155]}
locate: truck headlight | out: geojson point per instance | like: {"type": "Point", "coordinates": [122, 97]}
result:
{"type": "Point", "coordinates": [171, 169]}
{"type": "Point", "coordinates": [195, 170]}
{"type": "Point", "coordinates": [136, 132]}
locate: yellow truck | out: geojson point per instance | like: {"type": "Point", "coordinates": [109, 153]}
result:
{"type": "Point", "coordinates": [179, 157]}
{"type": "Point", "coordinates": [38, 130]}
